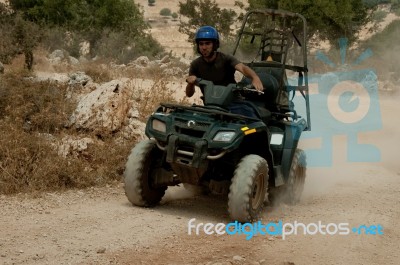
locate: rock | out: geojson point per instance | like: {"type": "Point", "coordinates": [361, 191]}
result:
{"type": "Point", "coordinates": [52, 77]}
{"type": "Point", "coordinates": [185, 61]}
{"type": "Point", "coordinates": [79, 78]}
{"type": "Point", "coordinates": [73, 60]}
{"type": "Point", "coordinates": [238, 259]}
{"type": "Point", "coordinates": [57, 57]}
{"type": "Point", "coordinates": [174, 71]}
{"type": "Point", "coordinates": [70, 146]}
{"type": "Point", "coordinates": [142, 61]}
{"type": "Point", "coordinates": [57, 54]}
{"type": "Point", "coordinates": [107, 109]}
{"type": "Point", "coordinates": [1, 68]}
{"type": "Point", "coordinates": [165, 59]}
{"type": "Point", "coordinates": [84, 48]}
{"type": "Point", "coordinates": [263, 262]}
{"type": "Point", "coordinates": [101, 250]}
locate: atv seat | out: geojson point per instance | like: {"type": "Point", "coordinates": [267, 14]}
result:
{"type": "Point", "coordinates": [250, 109]}
{"type": "Point", "coordinates": [271, 88]}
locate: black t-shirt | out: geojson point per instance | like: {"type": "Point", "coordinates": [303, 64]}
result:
{"type": "Point", "coordinates": [221, 71]}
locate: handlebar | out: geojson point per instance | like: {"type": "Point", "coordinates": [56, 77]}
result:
{"type": "Point", "coordinates": [239, 86]}
{"type": "Point", "coordinates": [251, 89]}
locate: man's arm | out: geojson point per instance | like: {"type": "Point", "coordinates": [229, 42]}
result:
{"type": "Point", "coordinates": [248, 72]}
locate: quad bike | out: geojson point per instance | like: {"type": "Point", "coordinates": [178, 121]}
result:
{"type": "Point", "coordinates": [210, 144]}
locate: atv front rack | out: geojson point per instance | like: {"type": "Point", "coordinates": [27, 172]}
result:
{"type": "Point", "coordinates": [188, 153]}
{"type": "Point", "coordinates": [208, 110]}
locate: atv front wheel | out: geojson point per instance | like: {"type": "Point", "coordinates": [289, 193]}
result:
{"type": "Point", "coordinates": [137, 175]}
{"type": "Point", "coordinates": [248, 189]}
{"type": "Point", "coordinates": [297, 176]}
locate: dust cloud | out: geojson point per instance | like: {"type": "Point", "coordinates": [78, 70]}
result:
{"type": "Point", "coordinates": [179, 192]}
{"type": "Point", "coordinates": [321, 180]}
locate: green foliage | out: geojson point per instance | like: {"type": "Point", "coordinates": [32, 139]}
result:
{"type": "Point", "coordinates": [116, 46]}
{"type": "Point", "coordinates": [328, 20]}
{"type": "Point", "coordinates": [174, 16]}
{"type": "Point", "coordinates": [84, 15]}
{"type": "Point", "coordinates": [7, 48]}
{"type": "Point", "coordinates": [395, 6]}
{"type": "Point", "coordinates": [95, 21]}
{"type": "Point", "coordinates": [18, 36]}
{"type": "Point", "coordinates": [165, 12]}
{"type": "Point", "coordinates": [331, 20]}
{"type": "Point", "coordinates": [205, 12]}
{"type": "Point", "coordinates": [272, 4]}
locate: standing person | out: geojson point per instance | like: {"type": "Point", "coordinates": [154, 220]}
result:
{"type": "Point", "coordinates": [216, 66]}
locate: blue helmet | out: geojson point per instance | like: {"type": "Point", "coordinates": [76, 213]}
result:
{"type": "Point", "coordinates": [207, 33]}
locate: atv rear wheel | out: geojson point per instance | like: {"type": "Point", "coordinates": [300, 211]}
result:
{"type": "Point", "coordinates": [137, 175]}
{"type": "Point", "coordinates": [248, 189]}
{"type": "Point", "coordinates": [297, 176]}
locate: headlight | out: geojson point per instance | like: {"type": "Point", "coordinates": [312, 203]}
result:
{"type": "Point", "coordinates": [158, 125]}
{"type": "Point", "coordinates": [224, 136]}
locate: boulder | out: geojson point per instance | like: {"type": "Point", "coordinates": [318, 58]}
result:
{"type": "Point", "coordinates": [73, 60]}
{"type": "Point", "coordinates": [71, 146]}
{"type": "Point", "coordinates": [56, 57]}
{"type": "Point", "coordinates": [141, 61]}
{"type": "Point", "coordinates": [107, 109]}
{"type": "Point", "coordinates": [79, 78]}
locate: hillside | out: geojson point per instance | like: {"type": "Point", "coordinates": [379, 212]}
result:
{"type": "Point", "coordinates": [166, 30]}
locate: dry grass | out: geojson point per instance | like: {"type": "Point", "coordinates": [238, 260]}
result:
{"type": "Point", "coordinates": [33, 116]}
{"type": "Point", "coordinates": [149, 99]}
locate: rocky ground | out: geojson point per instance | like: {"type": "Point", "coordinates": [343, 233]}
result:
{"type": "Point", "coordinates": [99, 226]}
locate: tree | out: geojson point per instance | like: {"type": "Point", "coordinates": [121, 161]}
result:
{"type": "Point", "coordinates": [254, 4]}
{"type": "Point", "coordinates": [7, 47]}
{"type": "Point", "coordinates": [328, 20]}
{"type": "Point", "coordinates": [205, 12]}
{"type": "Point", "coordinates": [331, 20]}
{"type": "Point", "coordinates": [18, 36]}
{"type": "Point", "coordinates": [91, 19]}
{"type": "Point", "coordinates": [27, 36]}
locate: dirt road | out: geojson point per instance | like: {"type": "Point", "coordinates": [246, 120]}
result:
{"type": "Point", "coordinates": [99, 226]}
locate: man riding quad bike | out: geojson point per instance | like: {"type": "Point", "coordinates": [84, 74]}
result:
{"type": "Point", "coordinates": [210, 144]}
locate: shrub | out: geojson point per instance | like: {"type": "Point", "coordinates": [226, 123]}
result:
{"type": "Point", "coordinates": [165, 12]}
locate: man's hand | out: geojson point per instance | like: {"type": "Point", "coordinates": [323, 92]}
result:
{"type": "Point", "coordinates": [256, 82]}
{"type": "Point", "coordinates": [191, 79]}
{"type": "Point", "coordinates": [248, 72]}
